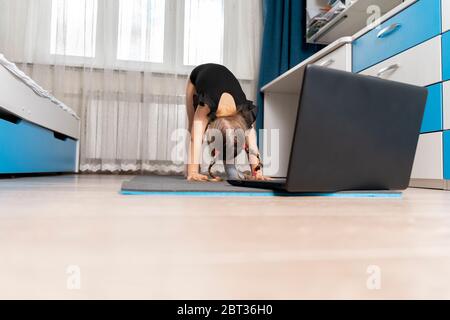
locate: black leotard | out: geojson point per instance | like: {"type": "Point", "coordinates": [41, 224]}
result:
{"type": "Point", "coordinates": [211, 81]}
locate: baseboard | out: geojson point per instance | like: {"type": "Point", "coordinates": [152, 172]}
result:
{"type": "Point", "coordinates": [430, 184]}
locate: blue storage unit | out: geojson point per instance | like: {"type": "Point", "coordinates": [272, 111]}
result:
{"type": "Point", "coordinates": [432, 119]}
{"type": "Point", "coordinates": [417, 24]}
{"type": "Point", "coordinates": [446, 56]}
{"type": "Point", "coordinates": [447, 155]}
{"type": "Point", "coordinates": [28, 148]}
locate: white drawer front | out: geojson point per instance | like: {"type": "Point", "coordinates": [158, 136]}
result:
{"type": "Point", "coordinates": [420, 65]}
{"type": "Point", "coordinates": [429, 158]}
{"type": "Point", "coordinates": [445, 15]}
{"type": "Point", "coordinates": [339, 59]}
{"type": "Point", "coordinates": [447, 105]}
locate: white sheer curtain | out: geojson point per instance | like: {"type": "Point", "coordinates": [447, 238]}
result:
{"type": "Point", "coordinates": [122, 66]}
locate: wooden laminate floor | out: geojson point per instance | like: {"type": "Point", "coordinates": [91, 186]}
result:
{"type": "Point", "coordinates": [72, 237]}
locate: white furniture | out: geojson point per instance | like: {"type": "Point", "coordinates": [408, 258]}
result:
{"type": "Point", "coordinates": [419, 66]}
{"type": "Point", "coordinates": [445, 15]}
{"type": "Point", "coordinates": [446, 110]}
{"type": "Point", "coordinates": [411, 47]}
{"type": "Point", "coordinates": [411, 44]}
{"type": "Point", "coordinates": [428, 164]}
{"type": "Point", "coordinates": [351, 20]}
{"type": "Point", "coordinates": [38, 133]}
{"type": "Point", "coordinates": [20, 100]}
{"type": "Point", "coordinates": [281, 98]}
{"type": "Point", "coordinates": [340, 59]}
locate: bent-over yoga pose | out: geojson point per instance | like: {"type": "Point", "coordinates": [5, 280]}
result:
{"type": "Point", "coordinates": [215, 100]}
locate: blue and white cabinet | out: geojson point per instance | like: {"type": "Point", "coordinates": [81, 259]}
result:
{"type": "Point", "coordinates": [413, 46]}
{"type": "Point", "coordinates": [37, 135]}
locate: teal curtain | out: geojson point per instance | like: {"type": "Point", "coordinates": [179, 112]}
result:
{"type": "Point", "coordinates": [284, 44]}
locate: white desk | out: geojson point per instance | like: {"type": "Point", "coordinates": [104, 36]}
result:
{"type": "Point", "coordinates": [282, 94]}
{"type": "Point", "coordinates": [281, 97]}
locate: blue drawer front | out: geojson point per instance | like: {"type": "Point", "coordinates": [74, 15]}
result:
{"type": "Point", "coordinates": [432, 119]}
{"type": "Point", "coordinates": [28, 148]}
{"type": "Point", "coordinates": [414, 25]}
{"type": "Point", "coordinates": [446, 56]}
{"type": "Point", "coordinates": [447, 155]}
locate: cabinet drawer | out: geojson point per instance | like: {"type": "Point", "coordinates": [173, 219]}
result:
{"type": "Point", "coordinates": [416, 24]}
{"type": "Point", "coordinates": [432, 118]}
{"type": "Point", "coordinates": [28, 148]}
{"type": "Point", "coordinates": [445, 15]}
{"type": "Point", "coordinates": [339, 59]}
{"type": "Point", "coordinates": [446, 105]}
{"type": "Point", "coordinates": [446, 56]}
{"type": "Point", "coordinates": [428, 163]}
{"type": "Point", "coordinates": [420, 65]}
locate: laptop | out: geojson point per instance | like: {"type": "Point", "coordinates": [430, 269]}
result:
{"type": "Point", "coordinates": [353, 133]}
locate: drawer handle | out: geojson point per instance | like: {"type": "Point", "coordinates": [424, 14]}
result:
{"type": "Point", "coordinates": [393, 67]}
{"type": "Point", "coordinates": [388, 30]}
{"type": "Point", "coordinates": [327, 63]}
{"type": "Point", "coordinates": [9, 117]}
{"type": "Point", "coordinates": [60, 136]}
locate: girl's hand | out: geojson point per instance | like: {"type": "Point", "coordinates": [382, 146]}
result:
{"type": "Point", "coordinates": [216, 179]}
{"type": "Point", "coordinates": [258, 176]}
{"type": "Point", "coordinates": [197, 177]}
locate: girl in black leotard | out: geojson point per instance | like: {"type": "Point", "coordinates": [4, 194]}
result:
{"type": "Point", "coordinates": [215, 98]}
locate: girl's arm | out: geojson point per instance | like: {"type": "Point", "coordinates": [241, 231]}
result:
{"type": "Point", "coordinates": [199, 126]}
{"type": "Point", "coordinates": [190, 92]}
{"type": "Point", "coordinates": [253, 156]}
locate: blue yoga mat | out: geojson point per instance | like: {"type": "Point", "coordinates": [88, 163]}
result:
{"type": "Point", "coordinates": [178, 186]}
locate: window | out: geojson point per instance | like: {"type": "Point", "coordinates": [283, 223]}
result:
{"type": "Point", "coordinates": [74, 27]}
{"type": "Point", "coordinates": [128, 33]}
{"type": "Point", "coordinates": [141, 30]}
{"type": "Point", "coordinates": [203, 31]}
